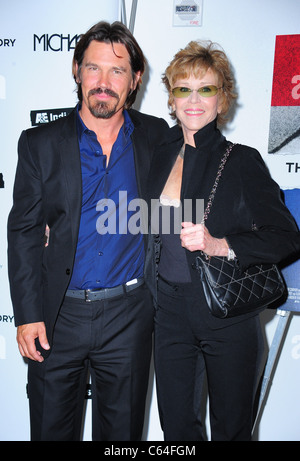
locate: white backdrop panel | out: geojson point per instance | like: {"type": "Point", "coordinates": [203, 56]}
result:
{"type": "Point", "coordinates": [31, 79]}
{"type": "Point", "coordinates": [36, 80]}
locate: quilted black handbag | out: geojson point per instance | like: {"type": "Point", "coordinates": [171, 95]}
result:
{"type": "Point", "coordinates": [228, 290]}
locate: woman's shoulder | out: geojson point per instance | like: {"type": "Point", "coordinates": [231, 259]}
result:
{"type": "Point", "coordinates": [248, 161]}
{"type": "Point", "coordinates": [244, 149]}
{"type": "Point", "coordinates": [245, 153]}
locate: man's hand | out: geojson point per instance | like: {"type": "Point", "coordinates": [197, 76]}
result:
{"type": "Point", "coordinates": [197, 237]}
{"type": "Point", "coordinates": [26, 335]}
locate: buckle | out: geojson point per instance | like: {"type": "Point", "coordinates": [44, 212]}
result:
{"type": "Point", "coordinates": [86, 296]}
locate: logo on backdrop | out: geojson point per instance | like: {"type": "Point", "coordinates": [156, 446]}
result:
{"type": "Point", "coordinates": [284, 135]}
{"type": "Point", "coordinates": [284, 138]}
{"type": "Point", "coordinates": [5, 318]}
{"type": "Point", "coordinates": [291, 272]}
{"type": "Point", "coordinates": [55, 42]}
{"type": "Point", "coordinates": [187, 13]}
{"type": "Point", "coordinates": [39, 117]}
{"type": "Point", "coordinates": [7, 42]}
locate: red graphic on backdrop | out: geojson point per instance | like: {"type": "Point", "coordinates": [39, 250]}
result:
{"type": "Point", "coordinates": [284, 133]}
{"type": "Point", "coordinates": [286, 76]}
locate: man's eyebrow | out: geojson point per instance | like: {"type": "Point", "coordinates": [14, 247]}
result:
{"type": "Point", "coordinates": [121, 68]}
{"type": "Point", "coordinates": [87, 64]}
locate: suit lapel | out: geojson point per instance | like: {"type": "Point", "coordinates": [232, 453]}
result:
{"type": "Point", "coordinates": [198, 167]}
{"type": "Point", "coordinates": [201, 163]}
{"type": "Point", "coordinates": [141, 159]}
{"type": "Point", "coordinates": [70, 156]}
{"type": "Point", "coordinates": [162, 164]}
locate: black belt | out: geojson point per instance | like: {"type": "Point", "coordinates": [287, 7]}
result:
{"type": "Point", "coordinates": [105, 293]}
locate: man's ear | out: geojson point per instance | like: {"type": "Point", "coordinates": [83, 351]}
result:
{"type": "Point", "coordinates": [136, 80]}
{"type": "Point", "coordinates": [76, 72]}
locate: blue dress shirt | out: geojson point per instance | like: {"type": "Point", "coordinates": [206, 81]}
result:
{"type": "Point", "coordinates": [107, 254]}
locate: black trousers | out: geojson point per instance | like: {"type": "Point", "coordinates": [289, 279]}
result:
{"type": "Point", "coordinates": [111, 338]}
{"type": "Point", "coordinates": [185, 345]}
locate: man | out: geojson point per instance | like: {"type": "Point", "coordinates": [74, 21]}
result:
{"type": "Point", "coordinates": [80, 302]}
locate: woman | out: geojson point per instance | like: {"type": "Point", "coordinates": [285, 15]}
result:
{"type": "Point", "coordinates": [187, 337]}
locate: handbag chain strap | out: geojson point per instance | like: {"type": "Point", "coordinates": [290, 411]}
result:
{"type": "Point", "coordinates": [213, 191]}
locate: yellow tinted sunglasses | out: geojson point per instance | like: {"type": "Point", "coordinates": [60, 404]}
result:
{"type": "Point", "coordinates": [206, 91]}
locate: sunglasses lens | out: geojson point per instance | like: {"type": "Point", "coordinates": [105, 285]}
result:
{"type": "Point", "coordinates": [208, 91]}
{"type": "Point", "coordinates": [181, 92]}
{"type": "Point", "coordinates": [205, 91]}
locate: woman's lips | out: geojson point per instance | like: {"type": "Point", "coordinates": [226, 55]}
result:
{"type": "Point", "coordinates": [194, 112]}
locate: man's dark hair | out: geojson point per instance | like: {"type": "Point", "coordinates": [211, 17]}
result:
{"type": "Point", "coordinates": [111, 33]}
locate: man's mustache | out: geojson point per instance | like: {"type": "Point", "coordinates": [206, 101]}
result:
{"type": "Point", "coordinates": [105, 91]}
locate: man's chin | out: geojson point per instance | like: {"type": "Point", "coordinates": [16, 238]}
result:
{"type": "Point", "coordinates": [101, 110]}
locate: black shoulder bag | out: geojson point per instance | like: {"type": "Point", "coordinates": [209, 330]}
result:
{"type": "Point", "coordinates": [229, 291]}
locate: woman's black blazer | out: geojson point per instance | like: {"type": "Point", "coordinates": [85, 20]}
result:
{"type": "Point", "coordinates": [247, 196]}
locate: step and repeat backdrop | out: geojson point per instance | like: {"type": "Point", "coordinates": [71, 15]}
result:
{"type": "Point", "coordinates": [284, 139]}
{"type": "Point", "coordinates": [37, 40]}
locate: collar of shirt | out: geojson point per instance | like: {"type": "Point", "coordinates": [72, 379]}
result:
{"type": "Point", "coordinates": [128, 126]}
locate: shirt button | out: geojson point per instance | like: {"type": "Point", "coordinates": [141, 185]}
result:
{"type": "Point", "coordinates": [100, 253]}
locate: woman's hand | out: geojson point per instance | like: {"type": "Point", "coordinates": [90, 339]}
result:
{"type": "Point", "coordinates": [197, 237]}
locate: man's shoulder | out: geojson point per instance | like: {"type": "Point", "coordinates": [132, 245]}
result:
{"type": "Point", "coordinates": [140, 118]}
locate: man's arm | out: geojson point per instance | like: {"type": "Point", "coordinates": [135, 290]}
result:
{"type": "Point", "coordinates": [26, 229]}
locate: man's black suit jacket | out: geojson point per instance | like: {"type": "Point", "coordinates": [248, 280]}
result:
{"type": "Point", "coordinates": [48, 191]}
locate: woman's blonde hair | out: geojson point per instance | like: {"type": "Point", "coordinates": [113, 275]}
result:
{"type": "Point", "coordinates": [195, 59]}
